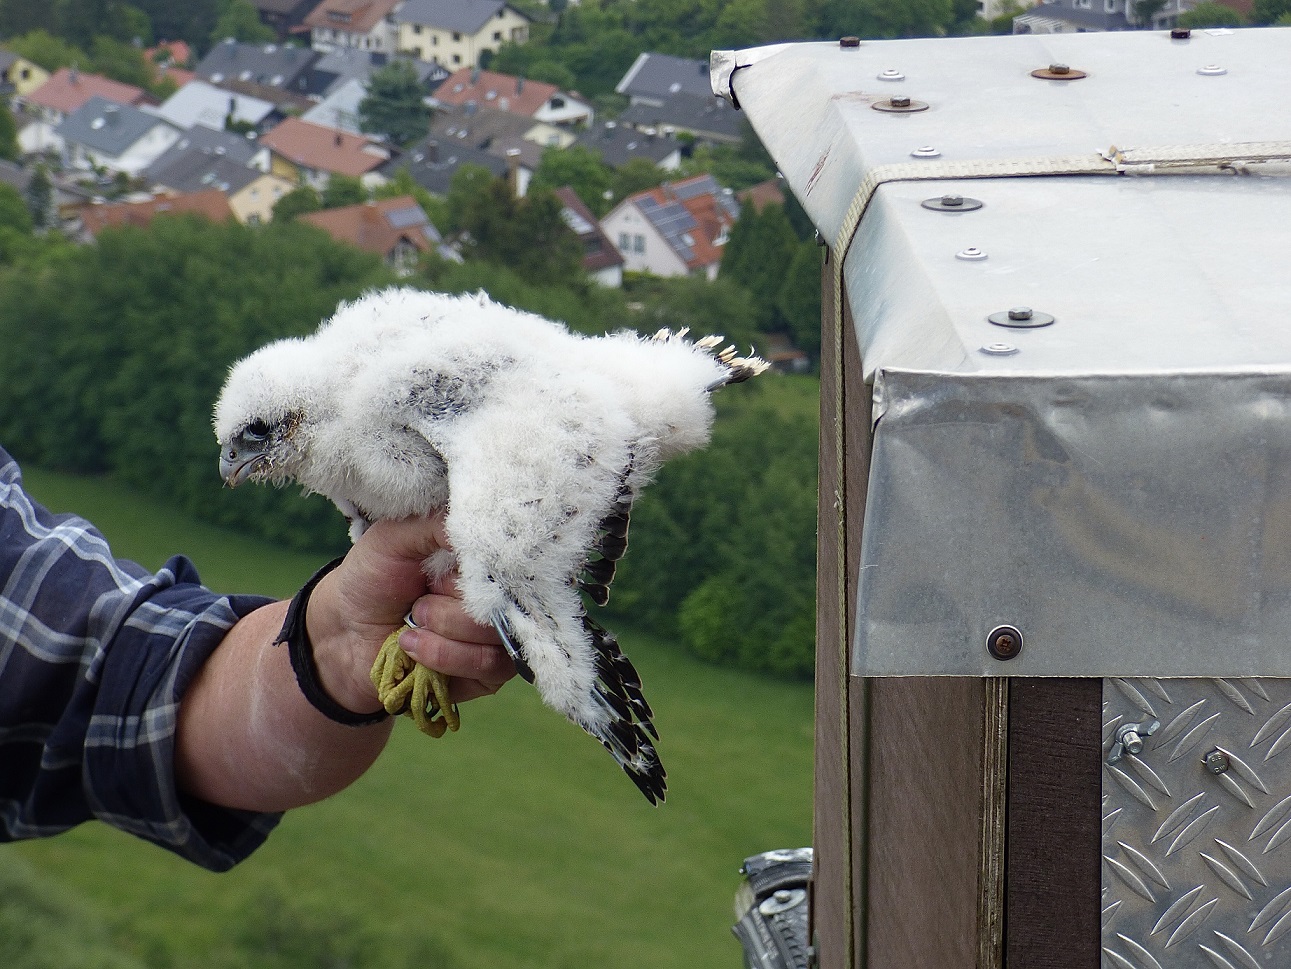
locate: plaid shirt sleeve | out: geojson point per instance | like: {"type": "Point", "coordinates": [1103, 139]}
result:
{"type": "Point", "coordinates": [95, 653]}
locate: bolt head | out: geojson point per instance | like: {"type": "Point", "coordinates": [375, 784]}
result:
{"type": "Point", "coordinates": [1020, 313]}
{"type": "Point", "coordinates": [1004, 642]}
{"type": "Point", "coordinates": [1059, 69]}
{"type": "Point", "coordinates": [849, 42]}
{"type": "Point", "coordinates": [1217, 762]}
{"type": "Point", "coordinates": [952, 200]}
{"type": "Point", "coordinates": [900, 101]}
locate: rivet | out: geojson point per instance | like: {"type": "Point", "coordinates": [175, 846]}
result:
{"type": "Point", "coordinates": [927, 151]}
{"type": "Point", "coordinates": [849, 42]}
{"type": "Point", "coordinates": [1212, 70]}
{"type": "Point", "coordinates": [999, 349]}
{"type": "Point", "coordinates": [971, 254]}
{"type": "Point", "coordinates": [891, 74]}
{"type": "Point", "coordinates": [1004, 642]}
{"type": "Point", "coordinates": [1217, 762]}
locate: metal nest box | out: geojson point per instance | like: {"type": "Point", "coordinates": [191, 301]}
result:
{"type": "Point", "coordinates": [1070, 284]}
{"type": "Point", "coordinates": [1054, 651]}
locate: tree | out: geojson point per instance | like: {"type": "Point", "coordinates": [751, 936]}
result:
{"type": "Point", "coordinates": [1143, 11]}
{"type": "Point", "coordinates": [18, 17]}
{"type": "Point", "coordinates": [241, 21]}
{"type": "Point", "coordinates": [40, 195]}
{"type": "Point", "coordinates": [297, 202]}
{"type": "Point", "coordinates": [798, 300]}
{"type": "Point", "coordinates": [581, 169]}
{"type": "Point", "coordinates": [50, 52]}
{"type": "Point", "coordinates": [343, 190]}
{"type": "Point", "coordinates": [8, 134]}
{"type": "Point", "coordinates": [760, 248]}
{"type": "Point", "coordinates": [1270, 11]}
{"type": "Point", "coordinates": [395, 104]}
{"type": "Point", "coordinates": [1211, 14]}
{"type": "Point", "coordinates": [121, 61]}
{"type": "Point", "coordinates": [526, 235]}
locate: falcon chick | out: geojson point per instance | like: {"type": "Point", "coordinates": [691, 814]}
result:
{"type": "Point", "coordinates": [535, 441]}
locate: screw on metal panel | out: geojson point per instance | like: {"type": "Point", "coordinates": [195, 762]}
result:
{"type": "Point", "coordinates": [1020, 318]}
{"type": "Point", "coordinates": [891, 74]}
{"type": "Point", "coordinates": [900, 104]}
{"type": "Point", "coordinates": [1180, 33]}
{"type": "Point", "coordinates": [1128, 739]}
{"type": "Point", "coordinates": [1217, 761]}
{"type": "Point", "coordinates": [950, 202]}
{"type": "Point", "coordinates": [971, 254]}
{"type": "Point", "coordinates": [1058, 72]}
{"type": "Point", "coordinates": [849, 42]}
{"type": "Point", "coordinates": [999, 349]}
{"type": "Point", "coordinates": [1004, 642]}
{"type": "Point", "coordinates": [1212, 70]}
{"type": "Point", "coordinates": [926, 151]}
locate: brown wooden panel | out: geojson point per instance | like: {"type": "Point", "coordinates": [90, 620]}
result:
{"type": "Point", "coordinates": [1054, 824]}
{"type": "Point", "coordinates": [831, 916]}
{"type": "Point", "coordinates": [925, 822]}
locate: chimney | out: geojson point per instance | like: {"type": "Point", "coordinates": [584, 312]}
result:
{"type": "Point", "coordinates": [73, 75]}
{"type": "Point", "coordinates": [339, 140]}
{"type": "Point", "coordinates": [432, 152]}
{"type": "Point", "coordinates": [519, 86]}
{"type": "Point", "coordinates": [110, 113]}
{"type": "Point", "coordinates": [475, 76]}
{"type": "Point", "coordinates": [513, 170]}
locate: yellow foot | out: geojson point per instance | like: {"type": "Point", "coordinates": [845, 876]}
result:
{"type": "Point", "coordinates": [407, 687]}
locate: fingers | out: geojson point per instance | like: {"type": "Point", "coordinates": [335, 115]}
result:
{"type": "Point", "coordinates": [449, 641]}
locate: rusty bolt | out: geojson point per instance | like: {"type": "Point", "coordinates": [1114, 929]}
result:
{"type": "Point", "coordinates": [849, 42]}
{"type": "Point", "coordinates": [900, 101]}
{"type": "Point", "coordinates": [1059, 69]}
{"type": "Point", "coordinates": [1004, 642]}
{"type": "Point", "coordinates": [1180, 33]}
{"type": "Point", "coordinates": [1020, 313]}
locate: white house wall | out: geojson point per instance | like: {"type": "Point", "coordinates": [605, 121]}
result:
{"type": "Point", "coordinates": [456, 49]}
{"type": "Point", "coordinates": [627, 224]}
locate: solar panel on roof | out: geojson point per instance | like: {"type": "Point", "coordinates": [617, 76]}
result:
{"type": "Point", "coordinates": [402, 218]}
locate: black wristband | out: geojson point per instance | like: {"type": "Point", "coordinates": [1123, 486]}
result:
{"type": "Point", "coordinates": [301, 650]}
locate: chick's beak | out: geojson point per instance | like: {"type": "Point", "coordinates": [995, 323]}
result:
{"type": "Point", "coordinates": [237, 461]}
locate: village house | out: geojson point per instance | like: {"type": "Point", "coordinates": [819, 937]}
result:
{"type": "Point", "coordinates": [676, 229]}
{"type": "Point", "coordinates": [653, 78]}
{"type": "Point", "coordinates": [252, 194]}
{"type": "Point", "coordinates": [309, 154]}
{"type": "Point", "coordinates": [516, 95]}
{"type": "Point", "coordinates": [210, 204]}
{"type": "Point", "coordinates": [117, 137]}
{"type": "Point", "coordinates": [396, 229]}
{"type": "Point", "coordinates": [199, 102]}
{"type": "Point", "coordinates": [362, 24]}
{"type": "Point", "coordinates": [601, 261]}
{"type": "Point", "coordinates": [19, 76]}
{"type": "Point", "coordinates": [457, 33]}
{"type": "Point", "coordinates": [284, 17]}
{"type": "Point", "coordinates": [273, 65]}
{"type": "Point", "coordinates": [617, 145]}
{"type": "Point", "coordinates": [432, 163]}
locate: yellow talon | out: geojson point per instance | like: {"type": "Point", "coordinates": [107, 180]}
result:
{"type": "Point", "coordinates": [407, 687]}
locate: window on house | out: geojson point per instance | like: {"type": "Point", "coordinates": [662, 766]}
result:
{"type": "Point", "coordinates": [456, 37]}
{"type": "Point", "coordinates": [457, 58]}
{"type": "Point", "coordinates": [638, 243]}
{"type": "Point", "coordinates": [625, 242]}
{"type": "Point", "coordinates": [416, 28]}
{"type": "Point", "coordinates": [497, 35]}
{"type": "Point", "coordinates": [434, 40]}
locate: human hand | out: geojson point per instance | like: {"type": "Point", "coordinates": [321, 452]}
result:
{"type": "Point", "coordinates": [356, 606]}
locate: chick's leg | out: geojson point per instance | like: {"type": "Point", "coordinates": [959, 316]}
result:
{"type": "Point", "coordinates": [406, 687]}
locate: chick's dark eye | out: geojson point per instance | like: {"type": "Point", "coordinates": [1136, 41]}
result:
{"type": "Point", "coordinates": [257, 430]}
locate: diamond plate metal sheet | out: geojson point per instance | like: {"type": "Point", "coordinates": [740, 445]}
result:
{"type": "Point", "coordinates": [1197, 863]}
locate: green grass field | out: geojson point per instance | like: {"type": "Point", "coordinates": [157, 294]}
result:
{"type": "Point", "coordinates": [515, 844]}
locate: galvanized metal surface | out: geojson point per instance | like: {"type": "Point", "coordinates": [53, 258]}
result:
{"type": "Point", "coordinates": [1117, 485]}
{"type": "Point", "coordinates": [1196, 859]}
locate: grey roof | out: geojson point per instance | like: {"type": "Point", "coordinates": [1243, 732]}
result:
{"type": "Point", "coordinates": [192, 171]}
{"type": "Point", "coordinates": [107, 127]}
{"type": "Point", "coordinates": [432, 163]}
{"type": "Point", "coordinates": [333, 69]}
{"type": "Point", "coordinates": [489, 131]}
{"type": "Point", "coordinates": [271, 64]}
{"type": "Point", "coordinates": [618, 144]}
{"type": "Point", "coordinates": [707, 185]}
{"type": "Point", "coordinates": [657, 76]}
{"type": "Point", "coordinates": [14, 175]}
{"type": "Point", "coordinates": [7, 59]}
{"type": "Point", "coordinates": [209, 141]}
{"type": "Point", "coordinates": [702, 114]}
{"type": "Point", "coordinates": [672, 221]}
{"type": "Point", "coordinates": [198, 102]}
{"type": "Point", "coordinates": [466, 16]}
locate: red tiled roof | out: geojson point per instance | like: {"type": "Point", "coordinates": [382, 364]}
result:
{"type": "Point", "coordinates": [351, 16]}
{"type": "Point", "coordinates": [326, 149]}
{"type": "Point", "coordinates": [211, 203]}
{"type": "Point", "coordinates": [762, 194]}
{"type": "Point", "coordinates": [705, 210]}
{"type": "Point", "coordinates": [598, 251]}
{"type": "Point", "coordinates": [515, 95]}
{"type": "Point", "coordinates": [368, 227]}
{"type": "Point", "coordinates": [69, 88]}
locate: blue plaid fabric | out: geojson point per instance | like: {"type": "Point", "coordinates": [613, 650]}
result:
{"type": "Point", "coordinates": [95, 653]}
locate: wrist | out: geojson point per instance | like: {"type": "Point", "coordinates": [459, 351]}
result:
{"type": "Point", "coordinates": [326, 653]}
